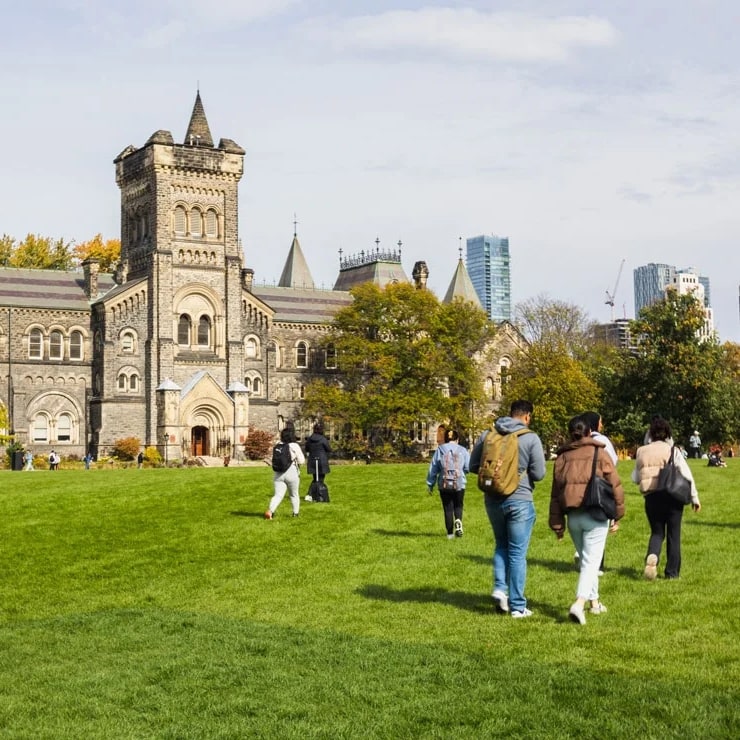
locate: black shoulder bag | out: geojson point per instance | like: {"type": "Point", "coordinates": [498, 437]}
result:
{"type": "Point", "coordinates": [599, 499]}
{"type": "Point", "coordinates": [672, 481]}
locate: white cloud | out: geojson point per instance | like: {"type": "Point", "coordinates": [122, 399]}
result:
{"type": "Point", "coordinates": [469, 34]}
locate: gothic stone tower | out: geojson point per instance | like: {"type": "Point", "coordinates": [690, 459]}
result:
{"type": "Point", "coordinates": [170, 337]}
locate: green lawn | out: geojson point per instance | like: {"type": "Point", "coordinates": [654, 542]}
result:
{"type": "Point", "coordinates": [160, 604]}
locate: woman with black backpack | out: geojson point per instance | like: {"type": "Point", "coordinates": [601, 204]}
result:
{"type": "Point", "coordinates": [287, 472]}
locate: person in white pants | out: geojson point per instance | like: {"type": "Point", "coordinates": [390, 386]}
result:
{"type": "Point", "coordinates": [288, 481]}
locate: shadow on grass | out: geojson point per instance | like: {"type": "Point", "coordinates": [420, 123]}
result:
{"type": "Point", "coordinates": [403, 533]}
{"type": "Point", "coordinates": [476, 603]}
{"type": "Point", "coordinates": [721, 525]}
{"type": "Point", "coordinates": [257, 514]}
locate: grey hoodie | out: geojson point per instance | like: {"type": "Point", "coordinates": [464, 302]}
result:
{"type": "Point", "coordinates": [531, 456]}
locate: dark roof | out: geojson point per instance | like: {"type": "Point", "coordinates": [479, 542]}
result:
{"type": "Point", "coordinates": [60, 289]}
{"type": "Point", "coordinates": [302, 305]}
{"type": "Point", "coordinates": [198, 127]}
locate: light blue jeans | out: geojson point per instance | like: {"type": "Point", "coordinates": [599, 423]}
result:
{"type": "Point", "coordinates": [512, 522]}
{"type": "Point", "coordinates": [589, 537]}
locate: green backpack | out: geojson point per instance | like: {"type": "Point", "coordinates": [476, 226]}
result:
{"type": "Point", "coordinates": [499, 464]}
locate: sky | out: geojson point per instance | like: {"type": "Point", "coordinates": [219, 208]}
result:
{"type": "Point", "coordinates": [586, 132]}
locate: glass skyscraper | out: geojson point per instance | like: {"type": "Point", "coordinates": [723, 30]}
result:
{"type": "Point", "coordinates": [488, 266]}
{"type": "Point", "coordinates": [650, 284]}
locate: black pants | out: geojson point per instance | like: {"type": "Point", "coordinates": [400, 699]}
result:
{"type": "Point", "coordinates": [452, 504]}
{"type": "Point", "coordinates": [664, 514]}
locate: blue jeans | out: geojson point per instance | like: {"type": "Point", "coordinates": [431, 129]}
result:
{"type": "Point", "coordinates": [512, 522]}
{"type": "Point", "coordinates": [589, 537]}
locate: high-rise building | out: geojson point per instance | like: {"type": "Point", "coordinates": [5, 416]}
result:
{"type": "Point", "coordinates": [490, 272]}
{"type": "Point", "coordinates": [650, 283]}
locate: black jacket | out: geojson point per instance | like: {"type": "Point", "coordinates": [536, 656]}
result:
{"type": "Point", "coordinates": [318, 448]}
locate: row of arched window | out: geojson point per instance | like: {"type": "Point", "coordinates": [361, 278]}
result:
{"type": "Point", "coordinates": [46, 429]}
{"type": "Point", "coordinates": [302, 353]}
{"type": "Point", "coordinates": [195, 222]}
{"type": "Point", "coordinates": [55, 345]}
{"type": "Point", "coordinates": [194, 333]}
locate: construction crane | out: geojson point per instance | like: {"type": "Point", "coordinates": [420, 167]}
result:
{"type": "Point", "coordinates": [610, 296]}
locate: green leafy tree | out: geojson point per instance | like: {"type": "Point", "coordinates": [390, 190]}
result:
{"type": "Point", "coordinates": [674, 372]}
{"type": "Point", "coordinates": [107, 252]}
{"type": "Point", "coordinates": [557, 385]}
{"type": "Point", "coordinates": [402, 358]}
{"type": "Point", "coordinates": [42, 253]}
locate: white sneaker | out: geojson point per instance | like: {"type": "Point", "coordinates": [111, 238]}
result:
{"type": "Point", "coordinates": [450, 536]}
{"type": "Point", "coordinates": [575, 613]}
{"type": "Point", "coordinates": [598, 609]}
{"type": "Point", "coordinates": [458, 528]}
{"type": "Point", "coordinates": [577, 560]}
{"type": "Point", "coordinates": [502, 601]}
{"type": "Point", "coordinates": [308, 498]}
{"type": "Point", "coordinates": [651, 567]}
{"type": "Point", "coordinates": [522, 614]}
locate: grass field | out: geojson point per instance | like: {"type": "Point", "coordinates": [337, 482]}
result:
{"type": "Point", "coordinates": [160, 604]}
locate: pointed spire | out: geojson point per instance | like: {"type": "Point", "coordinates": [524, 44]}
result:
{"type": "Point", "coordinates": [296, 273]}
{"type": "Point", "coordinates": [461, 285]}
{"type": "Point", "coordinates": [198, 133]}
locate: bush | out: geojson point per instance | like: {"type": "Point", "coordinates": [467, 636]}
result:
{"type": "Point", "coordinates": [258, 444]}
{"type": "Point", "coordinates": [151, 455]}
{"type": "Point", "coordinates": [126, 448]}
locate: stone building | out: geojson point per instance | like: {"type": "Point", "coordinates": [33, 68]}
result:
{"type": "Point", "coordinates": [181, 348]}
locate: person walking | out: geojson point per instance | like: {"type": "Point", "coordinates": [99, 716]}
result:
{"type": "Point", "coordinates": [318, 450]}
{"type": "Point", "coordinates": [140, 460]}
{"type": "Point", "coordinates": [450, 463]}
{"type": "Point", "coordinates": [571, 475]}
{"type": "Point", "coordinates": [288, 480]}
{"type": "Point", "coordinates": [596, 424]}
{"type": "Point", "coordinates": [695, 445]}
{"type": "Point", "coordinates": [512, 517]}
{"type": "Point", "coordinates": [664, 513]}
{"type": "Point", "coordinates": [28, 460]}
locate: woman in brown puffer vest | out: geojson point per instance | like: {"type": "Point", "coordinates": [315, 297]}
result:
{"type": "Point", "coordinates": [571, 476]}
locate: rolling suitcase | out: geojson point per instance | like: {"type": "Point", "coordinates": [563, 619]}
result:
{"type": "Point", "coordinates": [318, 492]}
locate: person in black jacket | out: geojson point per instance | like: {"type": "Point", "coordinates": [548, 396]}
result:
{"type": "Point", "coordinates": [318, 450]}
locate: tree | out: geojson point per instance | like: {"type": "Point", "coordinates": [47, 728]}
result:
{"type": "Point", "coordinates": [42, 253]}
{"type": "Point", "coordinates": [106, 252]}
{"type": "Point", "coordinates": [403, 358]}
{"type": "Point", "coordinates": [7, 246]}
{"type": "Point", "coordinates": [555, 382]}
{"type": "Point", "coordinates": [547, 321]}
{"type": "Point", "coordinates": [674, 372]}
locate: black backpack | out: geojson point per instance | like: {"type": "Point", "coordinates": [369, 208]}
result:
{"type": "Point", "coordinates": [281, 459]}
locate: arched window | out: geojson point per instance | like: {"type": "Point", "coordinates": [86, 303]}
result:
{"type": "Point", "coordinates": [301, 355]}
{"type": "Point", "coordinates": [35, 345]}
{"type": "Point", "coordinates": [211, 223]}
{"type": "Point", "coordinates": [40, 429]}
{"type": "Point", "coordinates": [56, 347]}
{"type": "Point", "coordinates": [180, 221]}
{"type": "Point", "coordinates": [133, 382]}
{"type": "Point", "coordinates": [196, 223]}
{"type": "Point", "coordinates": [64, 428]}
{"type": "Point", "coordinates": [122, 383]}
{"type": "Point", "coordinates": [204, 331]}
{"type": "Point", "coordinates": [256, 386]}
{"type": "Point", "coordinates": [248, 383]}
{"type": "Point", "coordinates": [75, 345]}
{"type": "Point", "coordinates": [331, 357]}
{"type": "Point", "coordinates": [183, 330]}
{"type": "Point", "coordinates": [490, 388]}
{"type": "Point", "coordinates": [250, 348]}
{"type": "Point", "coordinates": [128, 343]}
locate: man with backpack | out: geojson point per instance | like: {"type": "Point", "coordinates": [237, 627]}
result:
{"type": "Point", "coordinates": [447, 469]}
{"type": "Point", "coordinates": [509, 460]}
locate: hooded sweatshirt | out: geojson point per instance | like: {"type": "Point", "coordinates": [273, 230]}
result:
{"type": "Point", "coordinates": [531, 456]}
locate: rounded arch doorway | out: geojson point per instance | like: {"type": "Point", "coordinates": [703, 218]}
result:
{"type": "Point", "coordinates": [200, 441]}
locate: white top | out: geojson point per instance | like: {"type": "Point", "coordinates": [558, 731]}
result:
{"type": "Point", "coordinates": [296, 454]}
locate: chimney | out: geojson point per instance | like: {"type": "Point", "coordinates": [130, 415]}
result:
{"type": "Point", "coordinates": [247, 278]}
{"type": "Point", "coordinates": [420, 274]}
{"type": "Point", "coordinates": [91, 268]}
